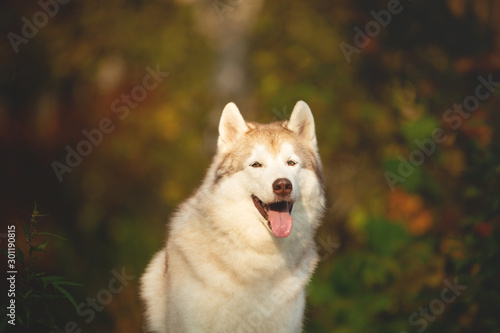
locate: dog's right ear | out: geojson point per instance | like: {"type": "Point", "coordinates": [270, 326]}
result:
{"type": "Point", "coordinates": [302, 123]}
{"type": "Point", "coordinates": [231, 126]}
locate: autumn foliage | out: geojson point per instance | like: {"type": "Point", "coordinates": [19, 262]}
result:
{"type": "Point", "coordinates": [405, 106]}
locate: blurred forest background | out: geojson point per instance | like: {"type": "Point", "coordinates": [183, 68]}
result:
{"type": "Point", "coordinates": [404, 221]}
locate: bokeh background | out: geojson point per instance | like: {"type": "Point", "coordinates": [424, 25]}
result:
{"type": "Point", "coordinates": [389, 249]}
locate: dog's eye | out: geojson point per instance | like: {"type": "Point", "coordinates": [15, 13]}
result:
{"type": "Point", "coordinates": [291, 163]}
{"type": "Point", "coordinates": [255, 165]}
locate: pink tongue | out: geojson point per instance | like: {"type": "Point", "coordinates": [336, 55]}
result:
{"type": "Point", "coordinates": [281, 222]}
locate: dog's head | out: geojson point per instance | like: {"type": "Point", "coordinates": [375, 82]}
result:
{"type": "Point", "coordinates": [275, 168]}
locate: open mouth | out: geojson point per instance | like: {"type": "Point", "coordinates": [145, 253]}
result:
{"type": "Point", "coordinates": [277, 214]}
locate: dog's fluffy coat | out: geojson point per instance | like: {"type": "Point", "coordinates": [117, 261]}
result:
{"type": "Point", "coordinates": [240, 251]}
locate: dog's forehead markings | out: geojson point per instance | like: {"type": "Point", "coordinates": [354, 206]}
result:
{"type": "Point", "coordinates": [272, 136]}
{"type": "Point", "coordinates": [284, 150]}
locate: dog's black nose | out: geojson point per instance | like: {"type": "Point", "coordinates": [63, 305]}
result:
{"type": "Point", "coordinates": [282, 187]}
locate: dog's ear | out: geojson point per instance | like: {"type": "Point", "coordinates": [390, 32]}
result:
{"type": "Point", "coordinates": [231, 125]}
{"type": "Point", "coordinates": [302, 123]}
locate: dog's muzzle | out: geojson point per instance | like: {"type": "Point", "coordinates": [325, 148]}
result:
{"type": "Point", "coordinates": [278, 214]}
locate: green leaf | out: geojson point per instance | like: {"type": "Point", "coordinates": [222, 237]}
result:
{"type": "Point", "coordinates": [20, 256]}
{"type": "Point", "coordinates": [53, 278]}
{"type": "Point", "coordinates": [50, 280]}
{"type": "Point", "coordinates": [41, 246]}
{"type": "Point", "coordinates": [67, 294]}
{"type": "Point", "coordinates": [51, 234]}
{"type": "Point", "coordinates": [26, 232]}
{"type": "Point", "coordinates": [68, 283]}
{"type": "Point", "coordinates": [47, 296]}
{"type": "Point", "coordinates": [28, 293]}
{"type": "Point", "coordinates": [28, 315]}
{"type": "Point", "coordinates": [60, 281]}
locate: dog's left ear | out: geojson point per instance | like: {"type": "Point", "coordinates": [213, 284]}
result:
{"type": "Point", "coordinates": [231, 126]}
{"type": "Point", "coordinates": [302, 123]}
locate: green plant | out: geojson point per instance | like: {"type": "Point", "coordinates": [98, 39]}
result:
{"type": "Point", "coordinates": [39, 297]}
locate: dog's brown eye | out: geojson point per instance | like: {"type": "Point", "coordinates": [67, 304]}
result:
{"type": "Point", "coordinates": [255, 165]}
{"type": "Point", "coordinates": [291, 163]}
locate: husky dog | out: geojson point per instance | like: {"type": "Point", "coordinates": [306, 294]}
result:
{"type": "Point", "coordinates": [240, 251]}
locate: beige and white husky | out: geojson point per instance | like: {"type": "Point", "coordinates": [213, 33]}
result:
{"type": "Point", "coordinates": [240, 251]}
